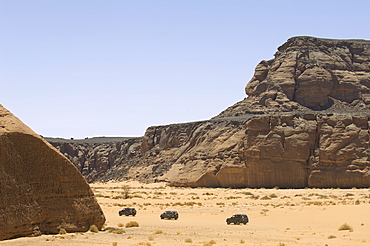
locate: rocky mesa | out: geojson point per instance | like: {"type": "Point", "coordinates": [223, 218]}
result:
{"type": "Point", "coordinates": [41, 191]}
{"type": "Point", "coordinates": [305, 123]}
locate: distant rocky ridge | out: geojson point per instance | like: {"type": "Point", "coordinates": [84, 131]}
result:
{"type": "Point", "coordinates": [95, 157]}
{"type": "Point", "coordinates": [41, 192]}
{"type": "Point", "coordinates": [305, 123]}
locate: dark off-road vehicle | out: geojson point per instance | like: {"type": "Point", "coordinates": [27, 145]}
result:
{"type": "Point", "coordinates": [170, 215]}
{"type": "Point", "coordinates": [237, 219]}
{"type": "Point", "coordinates": [127, 212]}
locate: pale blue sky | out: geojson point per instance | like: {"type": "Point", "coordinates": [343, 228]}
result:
{"type": "Point", "coordinates": [113, 68]}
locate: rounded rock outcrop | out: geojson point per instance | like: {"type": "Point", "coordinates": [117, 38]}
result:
{"type": "Point", "coordinates": [41, 191]}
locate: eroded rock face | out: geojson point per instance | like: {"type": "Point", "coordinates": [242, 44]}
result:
{"type": "Point", "coordinates": [286, 150]}
{"type": "Point", "coordinates": [310, 74]}
{"type": "Point", "coordinates": [99, 159]}
{"type": "Point", "coordinates": [305, 123]}
{"type": "Point", "coordinates": [40, 190]}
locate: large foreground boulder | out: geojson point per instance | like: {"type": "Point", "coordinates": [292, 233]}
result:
{"type": "Point", "coordinates": [41, 191]}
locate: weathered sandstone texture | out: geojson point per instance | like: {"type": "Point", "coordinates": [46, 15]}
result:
{"type": "Point", "coordinates": [310, 73]}
{"type": "Point", "coordinates": [305, 123]}
{"type": "Point", "coordinates": [40, 190]}
{"type": "Point", "coordinates": [95, 158]}
{"type": "Point", "coordinates": [286, 150]}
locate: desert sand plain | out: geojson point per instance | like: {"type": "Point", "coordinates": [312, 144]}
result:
{"type": "Point", "coordinates": [277, 217]}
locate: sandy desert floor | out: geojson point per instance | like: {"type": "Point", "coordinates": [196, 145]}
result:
{"type": "Point", "coordinates": [277, 217]}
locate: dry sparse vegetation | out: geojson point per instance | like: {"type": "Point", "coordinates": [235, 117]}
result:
{"type": "Point", "coordinates": [132, 224]}
{"type": "Point", "coordinates": [188, 240]}
{"type": "Point", "coordinates": [158, 232]}
{"type": "Point", "coordinates": [222, 203]}
{"type": "Point", "coordinates": [344, 227]}
{"type": "Point", "coordinates": [126, 191]}
{"type": "Point", "coordinates": [94, 228]}
{"type": "Point", "coordinates": [114, 230]}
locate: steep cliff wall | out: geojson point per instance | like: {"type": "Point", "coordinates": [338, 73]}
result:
{"type": "Point", "coordinates": [305, 123]}
{"type": "Point", "coordinates": [96, 157]}
{"type": "Point", "coordinates": [285, 150]}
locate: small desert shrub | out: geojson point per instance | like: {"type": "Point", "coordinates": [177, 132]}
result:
{"type": "Point", "coordinates": [282, 244]}
{"type": "Point", "coordinates": [188, 240]}
{"type": "Point", "coordinates": [132, 224]}
{"type": "Point", "coordinates": [264, 211]}
{"type": "Point", "coordinates": [273, 195]}
{"type": "Point", "coordinates": [114, 230]}
{"type": "Point", "coordinates": [137, 196]}
{"type": "Point", "coordinates": [62, 231]}
{"type": "Point", "coordinates": [357, 202]}
{"type": "Point", "coordinates": [158, 232]}
{"type": "Point", "coordinates": [207, 194]}
{"type": "Point", "coordinates": [331, 237]}
{"type": "Point", "coordinates": [344, 227]}
{"type": "Point", "coordinates": [151, 238]}
{"type": "Point", "coordinates": [114, 244]}
{"type": "Point", "coordinates": [120, 225]}
{"type": "Point", "coordinates": [232, 197]}
{"type": "Point", "coordinates": [242, 241]}
{"type": "Point", "coordinates": [265, 198]}
{"type": "Point", "coordinates": [322, 197]}
{"type": "Point", "coordinates": [146, 244]}
{"type": "Point", "coordinates": [210, 243]}
{"type": "Point", "coordinates": [93, 228]}
{"type": "Point", "coordinates": [126, 191]}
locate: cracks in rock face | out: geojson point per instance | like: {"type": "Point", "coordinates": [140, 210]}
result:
{"type": "Point", "coordinates": [312, 158]}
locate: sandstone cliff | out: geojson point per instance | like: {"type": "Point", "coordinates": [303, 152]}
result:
{"type": "Point", "coordinates": [305, 123]}
{"type": "Point", "coordinates": [287, 150]}
{"type": "Point", "coordinates": [95, 158]}
{"type": "Point", "coordinates": [40, 190]}
{"type": "Point", "coordinates": [310, 74]}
